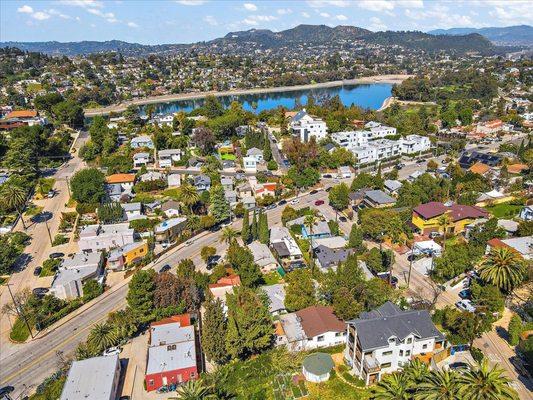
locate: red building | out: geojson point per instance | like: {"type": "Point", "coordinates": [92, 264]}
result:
{"type": "Point", "coordinates": [171, 353]}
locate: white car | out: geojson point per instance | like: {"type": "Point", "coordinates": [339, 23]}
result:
{"type": "Point", "coordinates": [465, 305]}
{"type": "Point", "coordinates": [293, 202]}
{"type": "Point", "coordinates": [111, 351]}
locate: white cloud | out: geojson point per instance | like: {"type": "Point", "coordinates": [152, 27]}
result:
{"type": "Point", "coordinates": [376, 5]}
{"type": "Point", "coordinates": [190, 2]}
{"type": "Point", "coordinates": [132, 25]}
{"type": "Point", "coordinates": [510, 13]}
{"type": "Point", "coordinates": [250, 6]}
{"type": "Point", "coordinates": [250, 21]}
{"type": "Point", "coordinates": [59, 14]}
{"type": "Point", "coordinates": [210, 20]}
{"type": "Point", "coordinates": [25, 9]}
{"type": "Point", "coordinates": [40, 15]}
{"type": "Point", "coordinates": [82, 3]}
{"type": "Point", "coordinates": [255, 19]}
{"type": "Point", "coordinates": [377, 24]}
{"type": "Point", "coordinates": [328, 3]}
{"type": "Point", "coordinates": [341, 17]}
{"type": "Point", "coordinates": [410, 3]}
{"type": "Point", "coordinates": [325, 15]}
{"type": "Point", "coordinates": [305, 15]}
{"type": "Point", "coordinates": [284, 11]}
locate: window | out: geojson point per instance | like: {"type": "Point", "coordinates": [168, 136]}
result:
{"type": "Point", "coordinates": [386, 365]}
{"type": "Point", "coordinates": [409, 340]}
{"type": "Point", "coordinates": [387, 353]}
{"type": "Point", "coordinates": [320, 338]}
{"type": "Point", "coordinates": [401, 353]}
{"type": "Point", "coordinates": [425, 346]}
{"type": "Point", "coordinates": [407, 353]}
{"type": "Point", "coordinates": [151, 382]}
{"type": "Point", "coordinates": [337, 334]}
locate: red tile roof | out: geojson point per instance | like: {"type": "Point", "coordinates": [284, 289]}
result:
{"type": "Point", "coordinates": [316, 320]}
{"type": "Point", "coordinates": [230, 280]}
{"type": "Point", "coordinates": [22, 114]}
{"type": "Point", "coordinates": [183, 319]}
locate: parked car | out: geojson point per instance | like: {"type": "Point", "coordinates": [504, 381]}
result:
{"type": "Point", "coordinates": [411, 257]}
{"type": "Point", "coordinates": [189, 242]}
{"type": "Point", "coordinates": [314, 191]}
{"type": "Point", "coordinates": [433, 235]}
{"type": "Point", "coordinates": [111, 351]}
{"type": "Point", "coordinates": [6, 390]}
{"type": "Point", "coordinates": [57, 255]}
{"type": "Point", "coordinates": [343, 219]}
{"type": "Point", "coordinates": [465, 305]}
{"type": "Point", "coordinates": [165, 268]}
{"type": "Point", "coordinates": [282, 202]}
{"type": "Point", "coordinates": [293, 202]}
{"type": "Point", "coordinates": [51, 194]}
{"type": "Point", "coordinates": [271, 207]}
{"type": "Point", "coordinates": [40, 291]}
{"type": "Point", "coordinates": [213, 261]}
{"type": "Point", "coordinates": [319, 202]}
{"type": "Point", "coordinates": [327, 176]}
{"type": "Point", "coordinates": [37, 271]}
{"type": "Point", "coordinates": [328, 189]}
{"type": "Point", "coordinates": [465, 294]}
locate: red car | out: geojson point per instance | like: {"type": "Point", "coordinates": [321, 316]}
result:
{"type": "Point", "coordinates": [319, 202]}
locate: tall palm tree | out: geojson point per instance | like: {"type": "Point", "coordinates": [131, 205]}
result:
{"type": "Point", "coordinates": [101, 337]}
{"type": "Point", "coordinates": [444, 222]}
{"type": "Point", "coordinates": [188, 195]}
{"type": "Point", "coordinates": [393, 387]}
{"type": "Point", "coordinates": [193, 223]}
{"type": "Point", "coordinates": [193, 390]}
{"type": "Point", "coordinates": [228, 235]}
{"type": "Point", "coordinates": [482, 382]}
{"type": "Point", "coordinates": [14, 198]}
{"type": "Point", "coordinates": [417, 371]}
{"type": "Point", "coordinates": [438, 385]}
{"type": "Point", "coordinates": [503, 268]}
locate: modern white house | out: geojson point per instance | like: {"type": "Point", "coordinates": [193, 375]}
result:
{"type": "Point", "coordinates": [378, 130]}
{"type": "Point", "coordinates": [168, 156]}
{"type": "Point", "coordinates": [412, 144]}
{"type": "Point", "coordinates": [344, 172]}
{"type": "Point", "coordinates": [249, 163]}
{"type": "Point", "coordinates": [383, 340]}
{"type": "Point", "coordinates": [132, 211]}
{"type": "Point", "coordinates": [141, 141]}
{"type": "Point", "coordinates": [306, 126]}
{"type": "Point", "coordinates": [140, 159]}
{"type": "Point", "coordinates": [105, 237]}
{"type": "Point", "coordinates": [526, 213]}
{"type": "Point", "coordinates": [254, 152]}
{"type": "Point", "coordinates": [164, 120]}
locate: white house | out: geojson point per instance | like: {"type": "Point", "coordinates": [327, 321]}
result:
{"type": "Point", "coordinates": [105, 237]}
{"type": "Point", "coordinates": [386, 148]}
{"type": "Point", "coordinates": [249, 163]}
{"type": "Point", "coordinates": [365, 154]}
{"type": "Point", "coordinates": [141, 141]}
{"type": "Point", "coordinates": [381, 341]}
{"type": "Point", "coordinates": [414, 144]}
{"type": "Point", "coordinates": [351, 139]}
{"type": "Point", "coordinates": [164, 120]}
{"type": "Point", "coordinates": [140, 159]}
{"type": "Point", "coordinates": [526, 213]}
{"type": "Point", "coordinates": [132, 211]}
{"type": "Point", "coordinates": [344, 172]}
{"type": "Point", "coordinates": [306, 126]}
{"type": "Point", "coordinates": [255, 153]}
{"type": "Point", "coordinates": [379, 130]}
{"type": "Point", "coordinates": [168, 156]}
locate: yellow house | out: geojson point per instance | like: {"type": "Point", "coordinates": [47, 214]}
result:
{"type": "Point", "coordinates": [121, 257]}
{"type": "Point", "coordinates": [427, 217]}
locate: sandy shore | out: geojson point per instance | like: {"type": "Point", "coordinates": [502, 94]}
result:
{"type": "Point", "coordinates": [117, 108]}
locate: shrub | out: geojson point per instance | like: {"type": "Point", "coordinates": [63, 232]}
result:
{"type": "Point", "coordinates": [59, 240]}
{"type": "Point", "coordinates": [86, 208]}
{"type": "Point", "coordinates": [272, 165]}
{"type": "Point", "coordinates": [477, 354]}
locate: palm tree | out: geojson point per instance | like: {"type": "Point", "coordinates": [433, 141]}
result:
{"type": "Point", "coordinates": [417, 371]}
{"type": "Point", "coordinates": [193, 223]}
{"type": "Point", "coordinates": [14, 198]}
{"type": "Point", "coordinates": [193, 390]}
{"type": "Point", "coordinates": [188, 195]}
{"type": "Point", "coordinates": [444, 222]}
{"type": "Point", "coordinates": [101, 337]}
{"type": "Point", "coordinates": [228, 235]}
{"type": "Point", "coordinates": [503, 268]}
{"type": "Point", "coordinates": [310, 221]}
{"type": "Point", "coordinates": [393, 387]}
{"type": "Point", "coordinates": [481, 382]}
{"type": "Point", "coordinates": [438, 385]}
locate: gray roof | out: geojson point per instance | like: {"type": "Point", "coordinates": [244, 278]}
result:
{"type": "Point", "coordinates": [318, 363]}
{"type": "Point", "coordinates": [254, 151]}
{"type": "Point", "coordinates": [392, 185]}
{"type": "Point", "coordinates": [359, 194]}
{"type": "Point", "coordinates": [299, 115]}
{"type": "Point", "coordinates": [92, 378]}
{"type": "Point", "coordinates": [276, 297]}
{"type": "Point", "coordinates": [141, 155]}
{"type": "Point", "coordinates": [374, 328]}
{"type": "Point", "coordinates": [202, 180]}
{"type": "Point", "coordinates": [168, 152]}
{"type": "Point", "coordinates": [131, 206]}
{"type": "Point", "coordinates": [379, 197]}
{"type": "Point", "coordinates": [331, 257]}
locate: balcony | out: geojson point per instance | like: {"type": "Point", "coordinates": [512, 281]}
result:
{"type": "Point", "coordinates": [371, 365]}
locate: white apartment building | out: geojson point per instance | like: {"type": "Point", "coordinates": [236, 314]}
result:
{"type": "Point", "coordinates": [351, 139]}
{"type": "Point", "coordinates": [383, 340]}
{"type": "Point", "coordinates": [305, 126]}
{"type": "Point", "coordinates": [365, 154]}
{"type": "Point", "coordinates": [379, 130]}
{"type": "Point", "coordinates": [414, 144]}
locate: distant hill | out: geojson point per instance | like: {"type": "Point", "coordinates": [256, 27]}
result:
{"type": "Point", "coordinates": [301, 35]}
{"type": "Point", "coordinates": [519, 35]}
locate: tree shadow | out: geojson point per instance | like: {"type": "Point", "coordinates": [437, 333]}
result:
{"type": "Point", "coordinates": [503, 333]}
{"type": "Point", "coordinates": [22, 262]}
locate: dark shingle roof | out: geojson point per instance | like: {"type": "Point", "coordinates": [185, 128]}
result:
{"type": "Point", "coordinates": [467, 159]}
{"type": "Point", "coordinates": [331, 257]}
{"type": "Point", "coordinates": [379, 197]}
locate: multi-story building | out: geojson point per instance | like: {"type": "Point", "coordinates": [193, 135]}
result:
{"type": "Point", "coordinates": [105, 237]}
{"type": "Point", "coordinates": [306, 126]}
{"type": "Point", "coordinates": [414, 144]}
{"type": "Point", "coordinates": [168, 156]}
{"type": "Point", "coordinates": [427, 217]}
{"type": "Point", "coordinates": [379, 130]}
{"type": "Point", "coordinates": [351, 139]}
{"type": "Point", "coordinates": [125, 255]}
{"type": "Point", "coordinates": [383, 340]}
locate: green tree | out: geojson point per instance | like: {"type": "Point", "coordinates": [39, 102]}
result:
{"type": "Point", "coordinates": [68, 112]}
{"type": "Point", "coordinates": [245, 232]}
{"type": "Point", "coordinates": [263, 230]}
{"type": "Point", "coordinates": [219, 208]}
{"type": "Point", "coordinates": [87, 186]}
{"type": "Point", "coordinates": [188, 195]}
{"type": "Point", "coordinates": [438, 385]}
{"type": "Point", "coordinates": [484, 382]}
{"type": "Point", "coordinates": [13, 198]}
{"type": "Point", "coordinates": [140, 295]}
{"type": "Point", "coordinates": [250, 330]}
{"type": "Point", "coordinates": [339, 197]}
{"type": "Point", "coordinates": [229, 235]}
{"type": "Point", "coordinates": [214, 329]}
{"type": "Point", "coordinates": [503, 268]}
{"type": "Point", "coordinates": [193, 390]}
{"type": "Point", "coordinates": [213, 108]}
{"type": "Point", "coordinates": [355, 241]}
{"type": "Point", "coordinates": [254, 228]}
{"type": "Point", "coordinates": [101, 337]}
{"type": "Point", "coordinates": [207, 252]}
{"type": "Point", "coordinates": [515, 329]}
{"type": "Point", "coordinates": [267, 151]}
{"type": "Point", "coordinates": [91, 290]}
{"type": "Point", "coordinates": [444, 222]}
{"type": "Point", "coordinates": [393, 387]}
{"type": "Point", "coordinates": [300, 290]}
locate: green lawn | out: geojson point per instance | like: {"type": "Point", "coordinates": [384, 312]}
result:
{"type": "Point", "coordinates": [19, 333]}
{"type": "Point", "coordinates": [172, 193]}
{"type": "Point", "coordinates": [334, 389]}
{"type": "Point", "coordinates": [271, 278]}
{"type": "Point", "coordinates": [229, 157]}
{"type": "Point", "coordinates": [504, 210]}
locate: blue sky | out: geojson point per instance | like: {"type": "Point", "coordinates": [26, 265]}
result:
{"type": "Point", "coordinates": [185, 21]}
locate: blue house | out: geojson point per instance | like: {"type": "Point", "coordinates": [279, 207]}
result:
{"type": "Point", "coordinates": [320, 228]}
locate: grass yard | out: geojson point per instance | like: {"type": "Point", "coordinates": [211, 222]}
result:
{"type": "Point", "coordinates": [272, 278]}
{"type": "Point", "coordinates": [173, 193]}
{"type": "Point", "coordinates": [334, 389]}
{"type": "Point", "coordinates": [19, 332]}
{"type": "Point", "coordinates": [504, 210]}
{"type": "Point", "coordinates": [228, 157]}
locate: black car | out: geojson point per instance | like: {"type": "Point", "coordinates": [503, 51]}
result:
{"type": "Point", "coordinates": [37, 271]}
{"type": "Point", "coordinates": [411, 257]}
{"type": "Point", "coordinates": [327, 176]}
{"type": "Point", "coordinates": [313, 192]}
{"type": "Point", "coordinates": [6, 390]}
{"type": "Point", "coordinates": [328, 189]}
{"type": "Point", "coordinates": [40, 291]}
{"type": "Point", "coordinates": [165, 268]}
{"type": "Point", "coordinates": [57, 255]}
{"type": "Point", "coordinates": [282, 202]}
{"type": "Point", "coordinates": [213, 261]}
{"type": "Point", "coordinates": [343, 219]}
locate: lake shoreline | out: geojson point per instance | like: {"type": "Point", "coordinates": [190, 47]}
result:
{"type": "Point", "coordinates": [120, 107]}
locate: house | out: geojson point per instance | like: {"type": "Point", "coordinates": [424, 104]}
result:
{"type": "Point", "coordinates": [141, 141]}
{"type": "Point", "coordinates": [256, 154]}
{"type": "Point", "coordinates": [263, 257]}
{"type": "Point", "coordinates": [123, 256]}
{"type": "Point", "coordinates": [320, 228]}
{"type": "Point", "coordinates": [357, 197]}
{"type": "Point", "coordinates": [412, 144]}
{"type": "Point", "coordinates": [244, 190]}
{"type": "Point", "coordinates": [490, 127]}
{"type": "Point", "coordinates": [276, 298]}
{"type": "Point", "coordinates": [427, 248]}
{"type": "Point", "coordinates": [468, 159]}
{"type": "Point", "coordinates": [248, 202]}
{"type": "Point", "coordinates": [74, 272]}
{"type": "Point", "coordinates": [285, 247]}
{"type": "Point", "coordinates": [227, 183]}
{"type": "Point", "coordinates": [381, 341]}
{"type": "Point", "coordinates": [114, 192]}
{"type": "Point", "coordinates": [168, 230]}
{"type": "Point", "coordinates": [230, 196]}
{"type": "Point", "coordinates": [105, 237]}
{"type": "Point", "coordinates": [415, 175]}
{"type": "Point", "coordinates": [327, 258]}
{"type": "Point", "coordinates": [392, 186]}
{"type": "Point", "coordinates": [164, 120]}
{"type": "Point", "coordinates": [224, 286]}
{"type": "Point", "coordinates": [140, 159]}
{"type": "Point", "coordinates": [93, 378]}
{"type": "Point", "coordinates": [521, 245]}
{"type": "Point", "coordinates": [126, 181]}
{"type": "Point", "coordinates": [202, 183]}
{"type": "Point", "coordinates": [378, 199]}
{"type": "Point", "coordinates": [311, 328]}
{"type": "Point", "coordinates": [171, 353]}
{"type": "Point", "coordinates": [492, 197]}
{"type": "Point", "coordinates": [517, 168]}
{"type": "Point", "coordinates": [132, 211]}
{"type": "Point", "coordinates": [344, 172]}
{"type": "Point", "coordinates": [306, 126]}
{"type": "Point", "coordinates": [527, 213]}
{"type": "Point", "coordinates": [174, 180]}
{"type": "Point", "coordinates": [427, 217]}
{"type": "Point", "coordinates": [378, 130]}
{"type": "Point", "coordinates": [152, 176]}
{"type": "Point", "coordinates": [333, 242]}
{"type": "Point", "coordinates": [479, 168]}
{"type": "Point", "coordinates": [249, 163]}
{"type": "Point", "coordinates": [171, 208]}
{"type": "Point", "coordinates": [168, 157]}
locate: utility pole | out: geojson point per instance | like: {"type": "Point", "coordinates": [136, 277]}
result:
{"type": "Point", "coordinates": [68, 187]}
{"type": "Point", "coordinates": [410, 267]}
{"type": "Point", "coordinates": [48, 230]}
{"type": "Point", "coordinates": [19, 311]}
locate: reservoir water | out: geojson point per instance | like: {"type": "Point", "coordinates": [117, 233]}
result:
{"type": "Point", "coordinates": [369, 96]}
